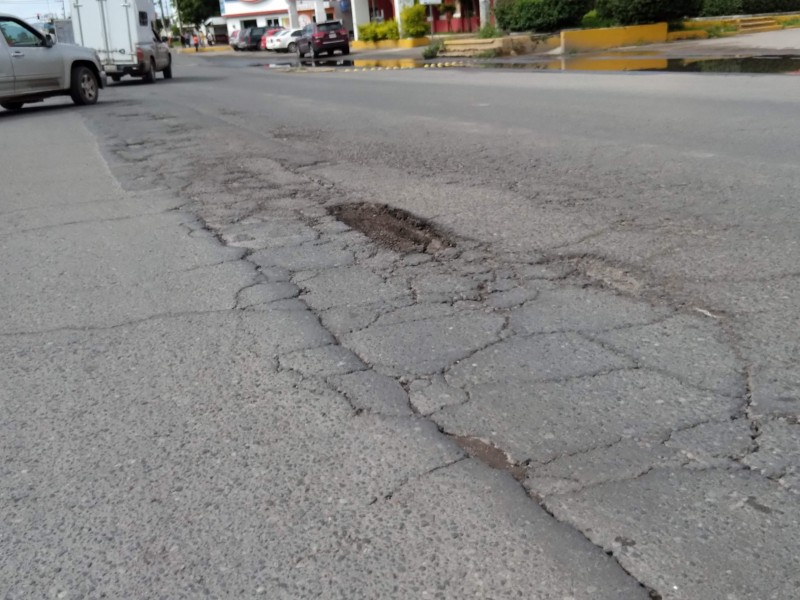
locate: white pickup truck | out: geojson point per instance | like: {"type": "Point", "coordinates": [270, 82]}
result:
{"type": "Point", "coordinates": [33, 68]}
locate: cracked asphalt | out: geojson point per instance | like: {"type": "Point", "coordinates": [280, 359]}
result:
{"type": "Point", "coordinates": [214, 388]}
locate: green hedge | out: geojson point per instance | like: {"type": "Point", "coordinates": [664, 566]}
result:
{"type": "Point", "coordinates": [375, 32]}
{"type": "Point", "coordinates": [633, 12]}
{"type": "Point", "coordinates": [751, 7]}
{"type": "Point", "coordinates": [717, 8]}
{"type": "Point", "coordinates": [414, 19]}
{"type": "Point", "coordinates": [720, 8]}
{"type": "Point", "coordinates": [539, 15]}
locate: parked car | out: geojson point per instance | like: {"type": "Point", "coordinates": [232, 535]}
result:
{"type": "Point", "coordinates": [323, 37]}
{"type": "Point", "coordinates": [285, 41]}
{"type": "Point", "coordinates": [33, 67]}
{"type": "Point", "coordinates": [251, 38]}
{"type": "Point", "coordinates": [241, 43]}
{"type": "Point", "coordinates": [271, 33]}
{"type": "Point", "coordinates": [234, 39]}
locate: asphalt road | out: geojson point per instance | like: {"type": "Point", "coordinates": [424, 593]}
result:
{"type": "Point", "coordinates": [589, 389]}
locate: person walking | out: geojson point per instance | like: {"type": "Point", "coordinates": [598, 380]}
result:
{"type": "Point", "coordinates": [196, 42]}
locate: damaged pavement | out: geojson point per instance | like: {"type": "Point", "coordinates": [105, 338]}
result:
{"type": "Point", "coordinates": [311, 394]}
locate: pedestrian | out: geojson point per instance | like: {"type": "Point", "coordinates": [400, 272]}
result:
{"type": "Point", "coordinates": [196, 42]}
{"type": "Point", "coordinates": [210, 38]}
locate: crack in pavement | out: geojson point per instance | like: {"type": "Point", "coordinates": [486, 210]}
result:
{"type": "Point", "coordinates": [606, 276]}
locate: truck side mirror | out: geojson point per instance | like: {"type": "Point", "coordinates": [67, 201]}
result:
{"type": "Point", "coordinates": [164, 39]}
{"type": "Point", "coordinates": [48, 41]}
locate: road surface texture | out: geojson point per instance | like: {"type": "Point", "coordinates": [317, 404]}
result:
{"type": "Point", "coordinates": [783, 42]}
{"type": "Point", "coordinates": [230, 371]}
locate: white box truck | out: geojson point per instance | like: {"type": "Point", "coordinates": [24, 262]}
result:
{"type": "Point", "coordinates": [122, 33]}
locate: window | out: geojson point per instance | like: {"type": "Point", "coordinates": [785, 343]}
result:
{"type": "Point", "coordinates": [273, 23]}
{"type": "Point", "coordinates": [249, 23]}
{"type": "Point", "coordinates": [329, 26]}
{"type": "Point", "coordinates": [143, 21]}
{"type": "Point", "coordinates": [19, 35]}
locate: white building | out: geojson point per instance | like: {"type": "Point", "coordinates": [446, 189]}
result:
{"type": "Point", "coordinates": [240, 14]}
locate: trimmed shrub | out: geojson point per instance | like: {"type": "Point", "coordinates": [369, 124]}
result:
{"type": "Point", "coordinates": [388, 30]}
{"type": "Point", "coordinates": [375, 32]}
{"type": "Point", "coordinates": [634, 12]}
{"type": "Point", "coordinates": [591, 21]}
{"type": "Point", "coordinates": [751, 7]}
{"type": "Point", "coordinates": [539, 15]}
{"type": "Point", "coordinates": [415, 21]}
{"type": "Point", "coordinates": [718, 8]}
{"type": "Point", "coordinates": [505, 14]}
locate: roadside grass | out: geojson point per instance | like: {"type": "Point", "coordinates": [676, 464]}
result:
{"type": "Point", "coordinates": [791, 23]}
{"type": "Point", "coordinates": [490, 53]}
{"type": "Point", "coordinates": [717, 31]}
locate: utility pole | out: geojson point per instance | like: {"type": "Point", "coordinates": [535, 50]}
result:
{"type": "Point", "coordinates": [163, 20]}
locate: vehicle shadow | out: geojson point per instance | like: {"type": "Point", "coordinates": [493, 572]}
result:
{"type": "Point", "coordinates": [33, 109]}
{"type": "Point", "coordinates": [160, 81]}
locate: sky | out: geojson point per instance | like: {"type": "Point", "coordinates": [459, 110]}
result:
{"type": "Point", "coordinates": [28, 9]}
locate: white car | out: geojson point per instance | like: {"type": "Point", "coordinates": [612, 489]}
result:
{"type": "Point", "coordinates": [33, 68]}
{"type": "Point", "coordinates": [285, 41]}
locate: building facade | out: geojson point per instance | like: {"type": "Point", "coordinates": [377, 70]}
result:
{"type": "Point", "coordinates": [240, 14]}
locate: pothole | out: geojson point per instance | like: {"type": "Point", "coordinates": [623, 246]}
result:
{"type": "Point", "coordinates": [392, 227]}
{"type": "Point", "coordinates": [490, 455]}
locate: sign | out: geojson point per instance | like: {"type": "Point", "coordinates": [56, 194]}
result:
{"type": "Point", "coordinates": [431, 2]}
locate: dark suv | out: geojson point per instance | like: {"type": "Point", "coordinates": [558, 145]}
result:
{"type": "Point", "coordinates": [251, 38]}
{"type": "Point", "coordinates": [323, 37]}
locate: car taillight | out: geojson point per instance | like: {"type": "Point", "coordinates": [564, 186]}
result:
{"type": "Point", "coordinates": [319, 36]}
{"type": "Point", "coordinates": [139, 55]}
{"type": "Point", "coordinates": [343, 32]}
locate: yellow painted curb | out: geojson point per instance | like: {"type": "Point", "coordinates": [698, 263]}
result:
{"type": "Point", "coordinates": [580, 40]}
{"type": "Point", "coordinates": [390, 44]}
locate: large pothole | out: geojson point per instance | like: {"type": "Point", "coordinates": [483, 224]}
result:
{"type": "Point", "coordinates": [392, 227]}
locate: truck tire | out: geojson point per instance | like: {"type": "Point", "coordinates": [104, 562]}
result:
{"type": "Point", "coordinates": [150, 75]}
{"type": "Point", "coordinates": [12, 105]}
{"type": "Point", "coordinates": [168, 70]}
{"type": "Point", "coordinates": [84, 86]}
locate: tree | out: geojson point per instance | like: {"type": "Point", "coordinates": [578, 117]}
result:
{"type": "Point", "coordinates": [196, 11]}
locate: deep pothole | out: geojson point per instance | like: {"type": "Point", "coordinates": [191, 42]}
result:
{"type": "Point", "coordinates": [391, 227]}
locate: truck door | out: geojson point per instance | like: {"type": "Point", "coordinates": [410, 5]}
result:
{"type": "Point", "coordinates": [37, 67]}
{"type": "Point", "coordinates": [6, 70]}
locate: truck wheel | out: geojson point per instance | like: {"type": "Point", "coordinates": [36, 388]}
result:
{"type": "Point", "coordinates": [346, 50]}
{"type": "Point", "coordinates": [300, 53]}
{"type": "Point", "coordinates": [150, 74]}
{"type": "Point", "coordinates": [84, 87]}
{"type": "Point", "coordinates": [168, 70]}
{"type": "Point", "coordinates": [12, 105]}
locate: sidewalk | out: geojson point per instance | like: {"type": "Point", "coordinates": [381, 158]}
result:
{"type": "Point", "coordinates": [171, 430]}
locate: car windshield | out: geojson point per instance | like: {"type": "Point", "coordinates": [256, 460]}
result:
{"type": "Point", "coordinates": [330, 26]}
{"type": "Point", "coordinates": [257, 31]}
